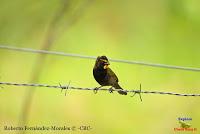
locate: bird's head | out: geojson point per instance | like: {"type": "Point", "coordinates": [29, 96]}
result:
{"type": "Point", "coordinates": [102, 62]}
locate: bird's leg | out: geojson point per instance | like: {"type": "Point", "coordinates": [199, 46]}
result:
{"type": "Point", "coordinates": [96, 89]}
{"type": "Point", "coordinates": [111, 89]}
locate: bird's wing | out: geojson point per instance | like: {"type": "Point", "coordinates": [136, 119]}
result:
{"type": "Point", "coordinates": [112, 76]}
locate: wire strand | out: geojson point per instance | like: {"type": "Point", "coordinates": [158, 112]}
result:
{"type": "Point", "coordinates": [101, 89]}
{"type": "Point", "coordinates": [94, 57]}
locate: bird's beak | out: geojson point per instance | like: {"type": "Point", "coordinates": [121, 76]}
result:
{"type": "Point", "coordinates": [106, 65]}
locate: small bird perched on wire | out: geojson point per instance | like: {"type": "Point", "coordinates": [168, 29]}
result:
{"type": "Point", "coordinates": [105, 76]}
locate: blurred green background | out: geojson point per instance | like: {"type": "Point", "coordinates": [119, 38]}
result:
{"type": "Point", "coordinates": [158, 31]}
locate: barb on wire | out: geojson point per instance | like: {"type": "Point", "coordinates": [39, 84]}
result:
{"type": "Point", "coordinates": [65, 87]}
{"type": "Point", "coordinates": [1, 86]}
{"type": "Point", "coordinates": [102, 89]}
{"type": "Point", "coordinates": [30, 50]}
{"type": "Point", "coordinates": [138, 92]}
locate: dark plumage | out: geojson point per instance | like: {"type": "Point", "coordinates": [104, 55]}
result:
{"type": "Point", "coordinates": [104, 75]}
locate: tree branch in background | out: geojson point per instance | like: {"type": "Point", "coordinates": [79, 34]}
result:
{"type": "Point", "coordinates": [51, 36]}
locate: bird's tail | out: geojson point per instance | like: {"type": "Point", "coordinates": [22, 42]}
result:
{"type": "Point", "coordinates": [117, 86]}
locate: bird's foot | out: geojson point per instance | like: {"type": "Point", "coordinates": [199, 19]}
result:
{"type": "Point", "coordinates": [111, 90]}
{"type": "Point", "coordinates": [96, 89]}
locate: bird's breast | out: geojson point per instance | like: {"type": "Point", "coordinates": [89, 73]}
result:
{"type": "Point", "coordinates": [100, 76]}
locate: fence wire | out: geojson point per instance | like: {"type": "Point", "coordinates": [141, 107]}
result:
{"type": "Point", "coordinates": [69, 87]}
{"type": "Point", "coordinates": [30, 50]}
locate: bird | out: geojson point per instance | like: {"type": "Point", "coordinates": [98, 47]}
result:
{"type": "Point", "coordinates": [184, 124]}
{"type": "Point", "coordinates": [105, 76]}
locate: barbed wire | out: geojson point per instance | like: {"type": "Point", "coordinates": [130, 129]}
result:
{"type": "Point", "coordinates": [94, 57]}
{"type": "Point", "coordinates": [68, 87]}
